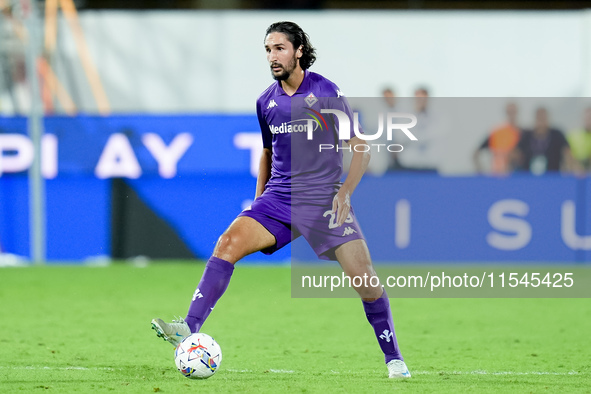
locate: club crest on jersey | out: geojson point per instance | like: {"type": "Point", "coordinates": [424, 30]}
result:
{"type": "Point", "coordinates": [311, 99]}
{"type": "Point", "coordinates": [272, 104]}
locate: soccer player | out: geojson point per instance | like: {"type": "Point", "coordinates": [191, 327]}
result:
{"type": "Point", "coordinates": [298, 192]}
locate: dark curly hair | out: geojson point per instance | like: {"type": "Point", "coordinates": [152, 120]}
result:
{"type": "Point", "coordinates": [298, 38]}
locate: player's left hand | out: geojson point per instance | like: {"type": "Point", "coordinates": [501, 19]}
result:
{"type": "Point", "coordinates": [341, 205]}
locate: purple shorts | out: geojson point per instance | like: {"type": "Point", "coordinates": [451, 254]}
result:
{"type": "Point", "coordinates": [315, 222]}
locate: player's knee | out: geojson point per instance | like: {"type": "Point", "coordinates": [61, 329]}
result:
{"type": "Point", "coordinates": [228, 247]}
{"type": "Point", "coordinates": [365, 281]}
{"type": "Point", "coordinates": [369, 293]}
{"type": "Point", "coordinates": [363, 275]}
{"type": "Point", "coordinates": [226, 242]}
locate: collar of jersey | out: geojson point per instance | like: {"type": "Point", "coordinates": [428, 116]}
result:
{"type": "Point", "coordinates": [301, 88]}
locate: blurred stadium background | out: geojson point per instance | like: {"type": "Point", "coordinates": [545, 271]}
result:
{"type": "Point", "coordinates": [128, 133]}
{"type": "Point", "coordinates": [143, 112]}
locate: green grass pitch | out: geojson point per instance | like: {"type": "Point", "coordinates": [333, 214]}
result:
{"type": "Point", "coordinates": [81, 329]}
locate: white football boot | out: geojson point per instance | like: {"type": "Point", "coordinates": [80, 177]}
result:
{"type": "Point", "coordinates": [173, 332]}
{"type": "Point", "coordinates": [397, 369]}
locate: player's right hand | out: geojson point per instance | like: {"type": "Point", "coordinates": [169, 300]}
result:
{"type": "Point", "coordinates": [341, 205]}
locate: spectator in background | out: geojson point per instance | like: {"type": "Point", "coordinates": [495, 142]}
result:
{"type": "Point", "coordinates": [15, 95]}
{"type": "Point", "coordinates": [424, 155]}
{"type": "Point", "coordinates": [387, 160]}
{"type": "Point", "coordinates": [580, 143]}
{"type": "Point", "coordinates": [501, 141]}
{"type": "Point", "coordinates": [369, 115]}
{"type": "Point", "coordinates": [389, 98]}
{"type": "Point", "coordinates": [382, 160]}
{"type": "Point", "coordinates": [543, 149]}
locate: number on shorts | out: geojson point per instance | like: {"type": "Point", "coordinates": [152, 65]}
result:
{"type": "Point", "coordinates": [332, 222]}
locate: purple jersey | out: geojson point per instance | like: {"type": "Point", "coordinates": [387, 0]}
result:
{"type": "Point", "coordinates": [298, 196]}
{"type": "Point", "coordinates": [298, 167]}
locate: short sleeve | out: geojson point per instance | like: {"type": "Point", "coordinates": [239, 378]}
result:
{"type": "Point", "coordinates": [265, 131]}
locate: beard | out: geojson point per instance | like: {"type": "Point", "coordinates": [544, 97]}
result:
{"type": "Point", "coordinates": [286, 71]}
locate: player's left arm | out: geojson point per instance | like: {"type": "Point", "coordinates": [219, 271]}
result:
{"type": "Point", "coordinates": [341, 204]}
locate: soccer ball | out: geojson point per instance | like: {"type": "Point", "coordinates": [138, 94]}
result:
{"type": "Point", "coordinates": [198, 356]}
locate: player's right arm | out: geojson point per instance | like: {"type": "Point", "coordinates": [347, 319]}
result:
{"type": "Point", "coordinates": [264, 171]}
{"type": "Point", "coordinates": [267, 155]}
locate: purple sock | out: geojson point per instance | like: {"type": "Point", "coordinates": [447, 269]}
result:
{"type": "Point", "coordinates": [379, 316]}
{"type": "Point", "coordinates": [213, 284]}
